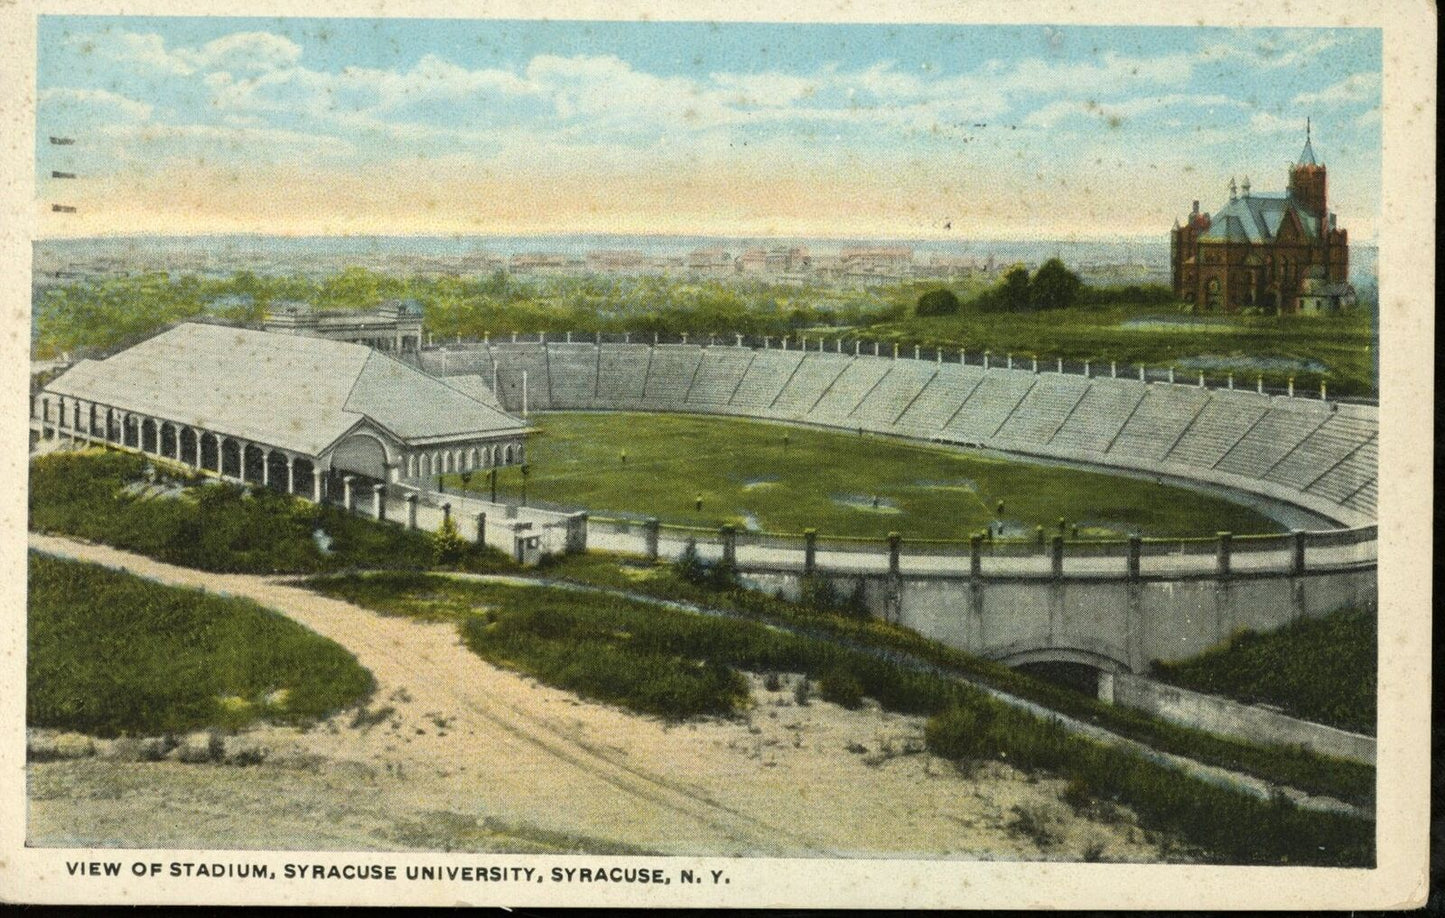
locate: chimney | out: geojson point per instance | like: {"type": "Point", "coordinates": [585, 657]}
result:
{"type": "Point", "coordinates": [1196, 209]}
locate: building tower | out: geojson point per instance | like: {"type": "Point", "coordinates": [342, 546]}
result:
{"type": "Point", "coordinates": [1307, 180]}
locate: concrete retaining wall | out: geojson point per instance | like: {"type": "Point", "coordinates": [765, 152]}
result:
{"type": "Point", "coordinates": [1118, 625]}
{"type": "Point", "coordinates": [1230, 718]}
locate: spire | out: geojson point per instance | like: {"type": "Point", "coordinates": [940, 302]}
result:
{"type": "Point", "coordinates": [1244, 187]}
{"type": "Point", "coordinates": [1233, 191]}
{"type": "Point", "coordinates": [1307, 156]}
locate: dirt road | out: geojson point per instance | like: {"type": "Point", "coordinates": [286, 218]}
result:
{"type": "Point", "coordinates": [470, 755]}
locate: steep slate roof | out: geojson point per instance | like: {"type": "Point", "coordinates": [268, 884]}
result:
{"type": "Point", "coordinates": [1256, 218]}
{"type": "Point", "coordinates": [1307, 155]}
{"type": "Point", "coordinates": [288, 391]}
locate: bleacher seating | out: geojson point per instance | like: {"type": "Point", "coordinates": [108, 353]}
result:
{"type": "Point", "coordinates": [1158, 421]}
{"type": "Point", "coordinates": [1272, 438]}
{"type": "Point", "coordinates": [718, 375]}
{"type": "Point", "coordinates": [764, 379]}
{"type": "Point", "coordinates": [621, 374]}
{"type": "Point", "coordinates": [1041, 412]}
{"type": "Point", "coordinates": [572, 369]}
{"type": "Point", "coordinates": [1099, 415]}
{"type": "Point", "coordinates": [940, 400]}
{"type": "Point", "coordinates": [1344, 480]}
{"type": "Point", "coordinates": [857, 380]}
{"type": "Point", "coordinates": [513, 359]}
{"type": "Point", "coordinates": [1216, 428]}
{"type": "Point", "coordinates": [990, 404]}
{"type": "Point", "coordinates": [1340, 435]}
{"type": "Point", "coordinates": [669, 376]}
{"type": "Point", "coordinates": [906, 379]}
{"type": "Point", "coordinates": [813, 377]}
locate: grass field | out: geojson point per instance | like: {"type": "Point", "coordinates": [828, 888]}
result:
{"type": "Point", "coordinates": [110, 653]}
{"type": "Point", "coordinates": [659, 660]}
{"type": "Point", "coordinates": [1320, 669]}
{"type": "Point", "coordinates": [1339, 349]}
{"type": "Point", "coordinates": [181, 518]}
{"type": "Point", "coordinates": [748, 474]}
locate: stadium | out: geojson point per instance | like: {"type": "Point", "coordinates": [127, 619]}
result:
{"type": "Point", "coordinates": [1027, 511]}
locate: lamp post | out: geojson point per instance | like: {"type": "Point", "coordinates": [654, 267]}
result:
{"type": "Point", "coordinates": [524, 470]}
{"type": "Point", "coordinates": [492, 474]}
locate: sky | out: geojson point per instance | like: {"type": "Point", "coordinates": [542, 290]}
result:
{"type": "Point", "coordinates": [393, 126]}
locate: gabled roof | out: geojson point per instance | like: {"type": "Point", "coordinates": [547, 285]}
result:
{"type": "Point", "coordinates": [1257, 218]}
{"type": "Point", "coordinates": [293, 392]}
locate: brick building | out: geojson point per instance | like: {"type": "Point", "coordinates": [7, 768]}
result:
{"type": "Point", "coordinates": [1259, 250]}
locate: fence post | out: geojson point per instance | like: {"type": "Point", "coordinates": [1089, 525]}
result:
{"type": "Point", "coordinates": [650, 529]}
{"type": "Point", "coordinates": [446, 513]}
{"type": "Point", "coordinates": [577, 533]}
{"type": "Point", "coordinates": [1291, 387]}
{"type": "Point", "coordinates": [1297, 552]}
{"type": "Point", "coordinates": [411, 511]}
{"type": "Point", "coordinates": [1113, 369]}
{"type": "Point", "coordinates": [810, 550]}
{"type": "Point", "coordinates": [378, 502]}
{"type": "Point", "coordinates": [1136, 548]}
{"type": "Point", "coordinates": [975, 554]}
{"type": "Point", "coordinates": [1222, 555]}
{"type": "Point", "coordinates": [729, 535]}
{"type": "Point", "coordinates": [1171, 376]}
{"type": "Point", "coordinates": [481, 529]}
{"type": "Point", "coordinates": [986, 355]}
{"type": "Point", "coordinates": [895, 549]}
{"type": "Point", "coordinates": [1056, 555]}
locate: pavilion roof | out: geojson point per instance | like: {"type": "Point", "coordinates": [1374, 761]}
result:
{"type": "Point", "coordinates": [293, 392]}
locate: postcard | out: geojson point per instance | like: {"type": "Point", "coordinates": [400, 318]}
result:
{"type": "Point", "coordinates": [662, 455]}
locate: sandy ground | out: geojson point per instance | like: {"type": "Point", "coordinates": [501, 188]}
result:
{"type": "Point", "coordinates": [461, 755]}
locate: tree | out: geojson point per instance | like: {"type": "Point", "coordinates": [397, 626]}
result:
{"type": "Point", "coordinates": [1054, 286]}
{"type": "Point", "coordinates": [1015, 290]}
{"type": "Point", "coordinates": [941, 302]}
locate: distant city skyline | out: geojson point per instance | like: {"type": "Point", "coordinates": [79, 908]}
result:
{"type": "Point", "coordinates": [314, 127]}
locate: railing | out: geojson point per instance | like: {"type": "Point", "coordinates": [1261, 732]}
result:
{"type": "Point", "coordinates": [1052, 555]}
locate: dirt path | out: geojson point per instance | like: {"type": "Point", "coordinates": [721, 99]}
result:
{"type": "Point", "coordinates": [466, 742]}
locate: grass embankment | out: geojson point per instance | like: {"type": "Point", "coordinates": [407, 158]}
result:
{"type": "Point", "coordinates": [661, 660]}
{"type": "Point", "coordinates": [1277, 346]}
{"type": "Point", "coordinates": [1320, 669]}
{"type": "Point", "coordinates": [1299, 768]}
{"type": "Point", "coordinates": [787, 479]}
{"type": "Point", "coordinates": [184, 518]}
{"type": "Point", "coordinates": [110, 653]}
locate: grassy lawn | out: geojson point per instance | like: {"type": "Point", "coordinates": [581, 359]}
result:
{"type": "Point", "coordinates": [657, 659]}
{"type": "Point", "coordinates": [181, 518]}
{"type": "Point", "coordinates": [1342, 345]}
{"type": "Point", "coordinates": [110, 653]}
{"type": "Point", "coordinates": [1320, 669]}
{"type": "Point", "coordinates": [748, 475]}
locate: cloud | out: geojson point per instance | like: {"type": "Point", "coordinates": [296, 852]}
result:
{"type": "Point", "coordinates": [1292, 49]}
{"type": "Point", "coordinates": [91, 106]}
{"type": "Point", "coordinates": [1117, 113]}
{"type": "Point", "coordinates": [243, 51]}
{"type": "Point", "coordinates": [1357, 87]}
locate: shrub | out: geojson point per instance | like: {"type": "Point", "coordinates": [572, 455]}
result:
{"type": "Point", "coordinates": [447, 544]}
{"type": "Point", "coordinates": [940, 302]}
{"type": "Point", "coordinates": [842, 688]}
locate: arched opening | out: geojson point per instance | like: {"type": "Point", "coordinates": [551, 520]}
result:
{"type": "Point", "coordinates": [210, 455]}
{"type": "Point", "coordinates": [1088, 672]}
{"type": "Point", "coordinates": [168, 440]}
{"type": "Point", "coordinates": [230, 458]}
{"type": "Point", "coordinates": [275, 470]}
{"type": "Point", "coordinates": [304, 474]}
{"type": "Point", "coordinates": [255, 459]}
{"type": "Point", "coordinates": [361, 454]}
{"type": "Point", "coordinates": [186, 446]}
{"type": "Point", "coordinates": [147, 436]}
